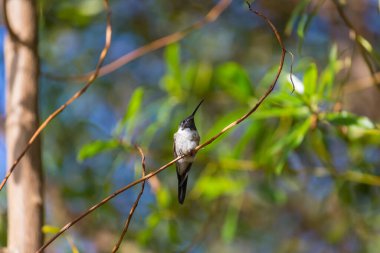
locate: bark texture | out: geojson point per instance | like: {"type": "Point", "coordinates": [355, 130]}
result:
{"type": "Point", "coordinates": [24, 189]}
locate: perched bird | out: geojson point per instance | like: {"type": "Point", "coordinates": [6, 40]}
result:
{"type": "Point", "coordinates": [186, 139]}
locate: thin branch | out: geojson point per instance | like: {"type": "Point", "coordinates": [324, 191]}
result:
{"type": "Point", "coordinates": [291, 71]}
{"type": "Point", "coordinates": [366, 56]}
{"type": "Point", "coordinates": [93, 208]}
{"type": "Point", "coordinates": [116, 247]}
{"type": "Point", "coordinates": [211, 16]}
{"type": "Point", "coordinates": [270, 89]}
{"type": "Point", "coordinates": [142, 179]}
{"type": "Point", "coordinates": [79, 93]}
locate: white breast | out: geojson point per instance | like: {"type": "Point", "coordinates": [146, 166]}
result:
{"type": "Point", "coordinates": [186, 140]}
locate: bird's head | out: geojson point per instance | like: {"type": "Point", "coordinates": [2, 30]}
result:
{"type": "Point", "coordinates": [189, 121]}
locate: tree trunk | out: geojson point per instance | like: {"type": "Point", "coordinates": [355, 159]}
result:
{"type": "Point", "coordinates": [24, 189]}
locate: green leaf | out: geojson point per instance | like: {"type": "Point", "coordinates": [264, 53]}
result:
{"type": "Point", "coordinates": [230, 224]}
{"type": "Point", "coordinates": [249, 132]}
{"type": "Point", "coordinates": [94, 148]}
{"type": "Point", "coordinates": [48, 229]}
{"type": "Point", "coordinates": [163, 197]}
{"type": "Point", "coordinates": [301, 27]}
{"type": "Point", "coordinates": [129, 119]}
{"type": "Point", "coordinates": [172, 85]}
{"type": "Point", "coordinates": [171, 81]}
{"type": "Point", "coordinates": [281, 112]}
{"type": "Point", "coordinates": [203, 78]}
{"type": "Point", "coordinates": [310, 79]}
{"type": "Point", "coordinates": [272, 194]}
{"type": "Point", "coordinates": [162, 114]}
{"type": "Point", "coordinates": [342, 118]}
{"type": "Point", "coordinates": [319, 145]}
{"type": "Point", "coordinates": [224, 121]}
{"type": "Point", "coordinates": [365, 44]}
{"type": "Point", "coordinates": [173, 231]}
{"type": "Point", "coordinates": [172, 58]}
{"type": "Point", "coordinates": [327, 79]}
{"type": "Point", "coordinates": [212, 187]}
{"type": "Point", "coordinates": [283, 146]}
{"type": "Point", "coordinates": [295, 15]}
{"type": "Point", "coordinates": [234, 80]}
{"type": "Point", "coordinates": [295, 138]}
{"type": "Point", "coordinates": [152, 221]}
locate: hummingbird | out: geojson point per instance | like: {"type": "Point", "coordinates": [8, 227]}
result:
{"type": "Point", "coordinates": [186, 139]}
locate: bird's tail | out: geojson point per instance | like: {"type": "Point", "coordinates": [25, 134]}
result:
{"type": "Point", "coordinates": [182, 184]}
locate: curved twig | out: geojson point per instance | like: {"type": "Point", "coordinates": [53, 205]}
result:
{"type": "Point", "coordinates": [79, 93]}
{"type": "Point", "coordinates": [131, 212]}
{"type": "Point", "coordinates": [93, 208]}
{"type": "Point", "coordinates": [366, 56]}
{"type": "Point", "coordinates": [270, 89]}
{"type": "Point", "coordinates": [211, 16]}
{"type": "Point", "coordinates": [236, 122]}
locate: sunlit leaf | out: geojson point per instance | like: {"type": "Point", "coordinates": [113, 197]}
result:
{"type": "Point", "coordinates": [129, 119]}
{"type": "Point", "coordinates": [48, 229]}
{"type": "Point", "coordinates": [225, 120]}
{"type": "Point", "coordinates": [73, 247]}
{"type": "Point", "coordinates": [342, 118]}
{"type": "Point", "coordinates": [163, 197]}
{"type": "Point", "coordinates": [283, 146]}
{"type": "Point", "coordinates": [203, 77]}
{"type": "Point", "coordinates": [230, 224]}
{"type": "Point", "coordinates": [294, 138]}
{"type": "Point", "coordinates": [171, 81]}
{"type": "Point", "coordinates": [281, 112]}
{"type": "Point", "coordinates": [249, 133]}
{"type": "Point", "coordinates": [295, 15]}
{"type": "Point", "coordinates": [365, 44]}
{"type": "Point", "coordinates": [301, 26]}
{"type": "Point", "coordinates": [212, 187]}
{"type": "Point", "coordinates": [319, 145]}
{"type": "Point", "coordinates": [360, 177]}
{"type": "Point", "coordinates": [327, 77]}
{"type": "Point", "coordinates": [162, 114]}
{"type": "Point", "coordinates": [94, 148]}
{"type": "Point", "coordinates": [310, 79]}
{"type": "Point", "coordinates": [172, 58]}
{"type": "Point", "coordinates": [234, 80]}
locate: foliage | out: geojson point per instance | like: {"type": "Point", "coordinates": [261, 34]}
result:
{"type": "Point", "coordinates": [289, 126]}
{"type": "Point", "coordinates": [300, 175]}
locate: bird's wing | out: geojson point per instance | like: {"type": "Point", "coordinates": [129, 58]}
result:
{"type": "Point", "coordinates": [175, 156]}
{"type": "Point", "coordinates": [196, 138]}
{"type": "Point", "coordinates": [184, 175]}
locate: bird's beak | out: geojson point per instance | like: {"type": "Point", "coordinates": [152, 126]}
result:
{"type": "Point", "coordinates": [197, 108]}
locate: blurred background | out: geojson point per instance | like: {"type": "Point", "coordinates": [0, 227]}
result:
{"type": "Point", "coordinates": [302, 174]}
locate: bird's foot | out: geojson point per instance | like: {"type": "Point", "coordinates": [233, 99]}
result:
{"type": "Point", "coordinates": [192, 152]}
